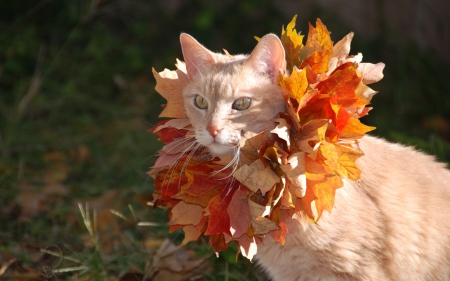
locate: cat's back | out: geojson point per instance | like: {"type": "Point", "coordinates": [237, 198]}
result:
{"type": "Point", "coordinates": [392, 224]}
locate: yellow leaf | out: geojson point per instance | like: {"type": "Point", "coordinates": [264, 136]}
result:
{"type": "Point", "coordinates": [347, 162]}
{"type": "Point", "coordinates": [292, 42]}
{"type": "Point", "coordinates": [355, 129]}
{"type": "Point", "coordinates": [296, 84]}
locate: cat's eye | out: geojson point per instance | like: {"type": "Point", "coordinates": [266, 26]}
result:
{"type": "Point", "coordinates": [200, 102]}
{"type": "Point", "coordinates": [241, 103]}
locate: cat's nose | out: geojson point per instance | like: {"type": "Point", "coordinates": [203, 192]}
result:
{"type": "Point", "coordinates": [213, 130]}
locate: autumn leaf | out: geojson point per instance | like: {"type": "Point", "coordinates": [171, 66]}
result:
{"type": "Point", "coordinates": [295, 173]}
{"type": "Point", "coordinates": [355, 129]}
{"type": "Point", "coordinates": [219, 220]}
{"type": "Point", "coordinates": [258, 213]}
{"type": "Point", "coordinates": [371, 73]}
{"type": "Point", "coordinates": [167, 134]}
{"type": "Point", "coordinates": [282, 130]}
{"type": "Point", "coordinates": [170, 84]}
{"type": "Point", "coordinates": [292, 42]}
{"type": "Point", "coordinates": [191, 233]}
{"type": "Point", "coordinates": [295, 85]}
{"type": "Point", "coordinates": [321, 46]}
{"type": "Point", "coordinates": [347, 162]}
{"type": "Point", "coordinates": [248, 246]}
{"type": "Point", "coordinates": [257, 177]}
{"type": "Point", "coordinates": [185, 214]}
{"type": "Point", "coordinates": [239, 213]}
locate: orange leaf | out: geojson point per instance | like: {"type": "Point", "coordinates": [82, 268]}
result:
{"type": "Point", "coordinates": [295, 85]}
{"type": "Point", "coordinates": [325, 192]}
{"type": "Point", "coordinates": [355, 129]}
{"type": "Point", "coordinates": [347, 162]}
{"type": "Point", "coordinates": [318, 61]}
{"type": "Point", "coordinates": [279, 235]}
{"type": "Point", "coordinates": [319, 37]}
{"type": "Point", "coordinates": [321, 46]}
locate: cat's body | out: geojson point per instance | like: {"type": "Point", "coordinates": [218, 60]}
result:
{"type": "Point", "coordinates": [392, 224]}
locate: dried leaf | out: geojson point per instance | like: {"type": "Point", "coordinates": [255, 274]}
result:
{"type": "Point", "coordinates": [170, 84]}
{"type": "Point", "coordinates": [184, 214]}
{"type": "Point", "coordinates": [260, 224]}
{"type": "Point", "coordinates": [239, 213]}
{"type": "Point", "coordinates": [295, 173]}
{"type": "Point", "coordinates": [248, 246]}
{"type": "Point", "coordinates": [371, 73]}
{"type": "Point", "coordinates": [257, 177]}
{"type": "Point", "coordinates": [282, 130]}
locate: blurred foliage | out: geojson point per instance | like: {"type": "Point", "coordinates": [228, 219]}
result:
{"type": "Point", "coordinates": [77, 96]}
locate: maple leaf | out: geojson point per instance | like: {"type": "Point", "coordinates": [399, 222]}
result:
{"type": "Point", "coordinates": [295, 85]}
{"type": "Point", "coordinates": [191, 233]}
{"type": "Point", "coordinates": [292, 42]}
{"type": "Point", "coordinates": [248, 246]}
{"type": "Point", "coordinates": [371, 73]}
{"type": "Point", "coordinates": [347, 162]}
{"type": "Point", "coordinates": [185, 214]}
{"type": "Point", "coordinates": [167, 134]}
{"type": "Point", "coordinates": [321, 47]}
{"type": "Point", "coordinates": [295, 173]}
{"type": "Point", "coordinates": [170, 84]}
{"type": "Point", "coordinates": [257, 177]}
{"type": "Point", "coordinates": [258, 213]}
{"type": "Point", "coordinates": [239, 213]}
{"type": "Point", "coordinates": [282, 130]}
{"type": "Point", "coordinates": [219, 220]}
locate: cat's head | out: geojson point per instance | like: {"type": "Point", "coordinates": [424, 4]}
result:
{"type": "Point", "coordinates": [230, 94]}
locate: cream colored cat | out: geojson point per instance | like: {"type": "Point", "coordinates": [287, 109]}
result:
{"type": "Point", "coordinates": [393, 224]}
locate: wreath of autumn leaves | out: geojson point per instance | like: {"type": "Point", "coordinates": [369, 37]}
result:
{"type": "Point", "coordinates": [291, 172]}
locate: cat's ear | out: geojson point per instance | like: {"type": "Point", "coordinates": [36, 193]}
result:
{"type": "Point", "coordinates": [268, 57]}
{"type": "Point", "coordinates": [197, 58]}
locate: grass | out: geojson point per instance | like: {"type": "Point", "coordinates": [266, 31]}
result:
{"type": "Point", "coordinates": [76, 99]}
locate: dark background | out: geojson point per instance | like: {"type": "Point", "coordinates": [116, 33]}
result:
{"type": "Point", "coordinates": [77, 97]}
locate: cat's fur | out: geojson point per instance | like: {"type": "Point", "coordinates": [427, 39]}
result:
{"type": "Point", "coordinates": [392, 224]}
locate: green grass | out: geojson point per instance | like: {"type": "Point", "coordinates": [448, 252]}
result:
{"type": "Point", "coordinates": [77, 97]}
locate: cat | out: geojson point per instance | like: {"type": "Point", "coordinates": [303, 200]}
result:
{"type": "Point", "coordinates": [392, 224]}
